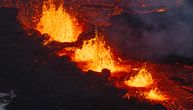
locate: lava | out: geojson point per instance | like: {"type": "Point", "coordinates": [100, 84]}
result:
{"type": "Point", "coordinates": [58, 23]}
{"type": "Point", "coordinates": [63, 26]}
{"type": "Point", "coordinates": [94, 55]}
{"type": "Point", "coordinates": [162, 10]}
{"type": "Point", "coordinates": [154, 94]}
{"type": "Point", "coordinates": [94, 12]}
{"type": "Point", "coordinates": [142, 79]}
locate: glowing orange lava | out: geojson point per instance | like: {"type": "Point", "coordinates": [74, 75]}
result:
{"type": "Point", "coordinates": [161, 10]}
{"type": "Point", "coordinates": [154, 94]}
{"type": "Point", "coordinates": [142, 79]}
{"type": "Point", "coordinates": [59, 24]}
{"type": "Point", "coordinates": [94, 55]}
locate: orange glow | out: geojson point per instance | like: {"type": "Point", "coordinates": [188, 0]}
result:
{"type": "Point", "coordinates": [59, 24]}
{"type": "Point", "coordinates": [96, 54]}
{"type": "Point", "coordinates": [142, 79]}
{"type": "Point", "coordinates": [162, 10]}
{"type": "Point", "coordinates": [154, 94]}
{"type": "Point", "coordinates": [93, 55]}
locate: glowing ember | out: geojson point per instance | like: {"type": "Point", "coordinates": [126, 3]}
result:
{"type": "Point", "coordinates": [154, 94]}
{"type": "Point", "coordinates": [60, 25]}
{"type": "Point", "coordinates": [162, 10]}
{"type": "Point", "coordinates": [142, 79]}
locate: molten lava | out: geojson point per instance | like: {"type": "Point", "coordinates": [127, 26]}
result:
{"type": "Point", "coordinates": [161, 10]}
{"type": "Point", "coordinates": [142, 79]}
{"type": "Point", "coordinates": [154, 94]}
{"type": "Point", "coordinates": [58, 23]}
{"type": "Point", "coordinates": [58, 20]}
{"type": "Point", "coordinates": [94, 55]}
{"type": "Point", "coordinates": [97, 55]}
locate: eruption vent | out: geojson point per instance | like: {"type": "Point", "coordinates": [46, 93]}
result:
{"type": "Point", "coordinates": [59, 24]}
{"type": "Point", "coordinates": [94, 55]}
{"type": "Point", "coordinates": [97, 55]}
{"type": "Point", "coordinates": [142, 79]}
{"type": "Point", "coordinates": [154, 94]}
{"type": "Point", "coordinates": [61, 21]}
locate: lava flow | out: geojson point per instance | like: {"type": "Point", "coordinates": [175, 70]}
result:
{"type": "Point", "coordinates": [139, 84]}
{"type": "Point", "coordinates": [58, 23]}
{"type": "Point", "coordinates": [95, 54]}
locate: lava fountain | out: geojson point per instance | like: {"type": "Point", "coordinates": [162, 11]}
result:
{"type": "Point", "coordinates": [94, 55]}
{"type": "Point", "coordinates": [142, 79]}
{"type": "Point", "coordinates": [154, 94]}
{"type": "Point", "coordinates": [58, 23]}
{"type": "Point", "coordinates": [61, 23]}
{"type": "Point", "coordinates": [97, 55]}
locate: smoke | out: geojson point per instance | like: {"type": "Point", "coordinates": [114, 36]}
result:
{"type": "Point", "coordinates": [154, 35]}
